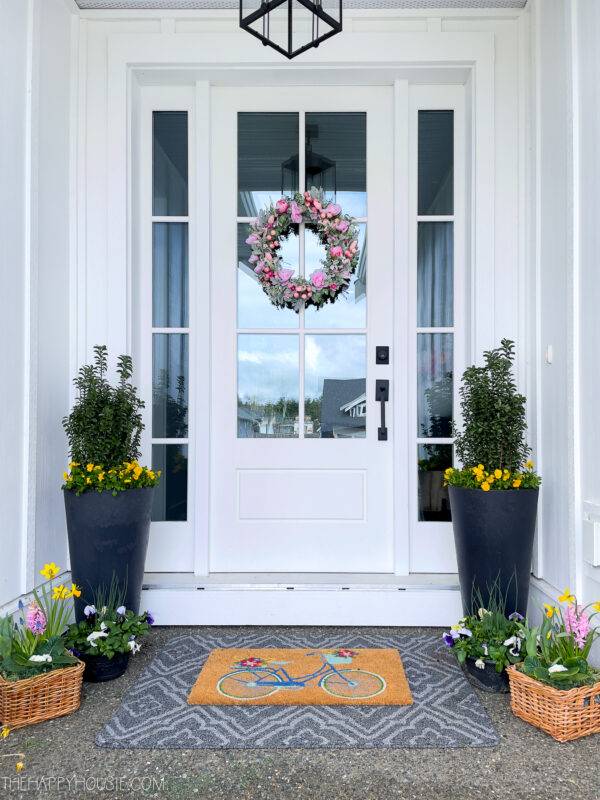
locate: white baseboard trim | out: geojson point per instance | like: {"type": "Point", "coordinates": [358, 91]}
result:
{"type": "Point", "coordinates": [314, 606]}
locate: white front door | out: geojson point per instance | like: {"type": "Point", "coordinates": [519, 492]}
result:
{"type": "Point", "coordinates": [300, 480]}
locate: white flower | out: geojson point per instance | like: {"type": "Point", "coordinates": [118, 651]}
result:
{"type": "Point", "coordinates": [103, 610]}
{"type": "Point", "coordinates": [134, 646]}
{"type": "Point", "coordinates": [484, 647]}
{"type": "Point", "coordinates": [89, 611]}
{"type": "Point", "coordinates": [121, 610]}
{"type": "Point", "coordinates": [557, 668]}
{"type": "Point", "coordinates": [465, 632]}
{"type": "Point", "coordinates": [46, 658]}
{"type": "Point", "coordinates": [482, 613]}
{"type": "Point", "coordinates": [97, 635]}
{"type": "Point", "coordinates": [480, 663]}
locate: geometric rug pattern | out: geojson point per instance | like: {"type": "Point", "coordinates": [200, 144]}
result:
{"type": "Point", "coordinates": [154, 712]}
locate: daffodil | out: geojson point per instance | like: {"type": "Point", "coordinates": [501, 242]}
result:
{"type": "Point", "coordinates": [596, 606]}
{"type": "Point", "coordinates": [50, 571]}
{"type": "Point", "coordinates": [75, 590]}
{"type": "Point", "coordinates": [567, 597]}
{"type": "Point", "coordinates": [60, 592]}
{"type": "Point", "coordinates": [550, 610]}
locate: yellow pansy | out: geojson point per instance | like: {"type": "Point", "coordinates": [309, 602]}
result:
{"type": "Point", "coordinates": [60, 592]}
{"type": "Point", "coordinates": [516, 483]}
{"type": "Point", "coordinates": [100, 476]}
{"type": "Point", "coordinates": [479, 477]}
{"type": "Point", "coordinates": [4, 732]}
{"type": "Point", "coordinates": [529, 464]}
{"type": "Point", "coordinates": [50, 571]}
{"type": "Point", "coordinates": [497, 474]}
{"type": "Point", "coordinates": [65, 476]}
{"type": "Point", "coordinates": [448, 472]}
{"type": "Point", "coordinates": [90, 467]}
{"type": "Point", "coordinates": [480, 467]}
{"type": "Point", "coordinates": [137, 471]}
{"type": "Point", "coordinates": [567, 597]}
{"type": "Point", "coordinates": [506, 474]}
{"type": "Point", "coordinates": [88, 480]}
{"type": "Point", "coordinates": [550, 610]}
{"type": "Point", "coordinates": [485, 486]}
{"type": "Point", "coordinates": [75, 590]}
{"type": "Point", "coordinates": [490, 479]}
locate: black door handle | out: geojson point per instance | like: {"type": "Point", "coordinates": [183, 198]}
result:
{"type": "Point", "coordinates": [382, 395]}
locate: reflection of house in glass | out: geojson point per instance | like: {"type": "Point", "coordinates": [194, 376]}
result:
{"type": "Point", "coordinates": [343, 408]}
{"type": "Point", "coordinates": [257, 423]}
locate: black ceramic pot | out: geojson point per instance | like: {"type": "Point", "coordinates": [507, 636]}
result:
{"type": "Point", "coordinates": [487, 678]}
{"type": "Point", "coordinates": [108, 539]}
{"type": "Point", "coordinates": [493, 533]}
{"type": "Point", "coordinates": [100, 668]}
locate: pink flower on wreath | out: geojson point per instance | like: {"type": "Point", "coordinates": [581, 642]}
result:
{"type": "Point", "coordinates": [35, 619]}
{"type": "Point", "coordinates": [577, 623]}
{"type": "Point", "coordinates": [343, 225]}
{"type": "Point", "coordinates": [333, 209]}
{"type": "Point", "coordinates": [285, 274]}
{"type": "Point", "coordinates": [336, 251]}
{"type": "Point", "coordinates": [253, 239]}
{"type": "Point", "coordinates": [318, 279]}
{"type": "Point", "coordinates": [296, 214]}
{"type": "Point", "coordinates": [282, 206]}
{"type": "Point", "coordinates": [259, 268]}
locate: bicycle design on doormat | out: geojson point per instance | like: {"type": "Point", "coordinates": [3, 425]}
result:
{"type": "Point", "coordinates": [256, 677]}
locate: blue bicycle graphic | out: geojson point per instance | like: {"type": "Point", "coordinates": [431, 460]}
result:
{"type": "Point", "coordinates": [266, 678]}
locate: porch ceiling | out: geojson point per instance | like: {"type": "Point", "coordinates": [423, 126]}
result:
{"type": "Point", "coordinates": [215, 4]}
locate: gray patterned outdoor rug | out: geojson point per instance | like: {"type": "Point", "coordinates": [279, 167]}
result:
{"type": "Point", "coordinates": [155, 714]}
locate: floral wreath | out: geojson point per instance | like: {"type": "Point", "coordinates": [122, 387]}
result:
{"type": "Point", "coordinates": [336, 231]}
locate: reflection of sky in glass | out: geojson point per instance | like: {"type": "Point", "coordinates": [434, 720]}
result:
{"type": "Point", "coordinates": [267, 367]}
{"type": "Point", "coordinates": [350, 309]}
{"type": "Point", "coordinates": [332, 356]}
{"type": "Point", "coordinates": [255, 310]}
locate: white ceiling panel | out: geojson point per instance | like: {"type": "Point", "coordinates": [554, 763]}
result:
{"type": "Point", "coordinates": [212, 4]}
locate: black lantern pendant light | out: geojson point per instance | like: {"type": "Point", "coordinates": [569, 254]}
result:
{"type": "Point", "coordinates": [291, 26]}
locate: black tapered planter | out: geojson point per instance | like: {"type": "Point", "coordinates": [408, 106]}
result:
{"type": "Point", "coordinates": [493, 533]}
{"type": "Point", "coordinates": [488, 679]}
{"type": "Point", "coordinates": [100, 668]}
{"type": "Point", "coordinates": [108, 536]}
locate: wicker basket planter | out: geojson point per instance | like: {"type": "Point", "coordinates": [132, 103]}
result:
{"type": "Point", "coordinates": [564, 714]}
{"type": "Point", "coordinates": [38, 699]}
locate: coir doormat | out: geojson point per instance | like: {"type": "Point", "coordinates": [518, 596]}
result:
{"type": "Point", "coordinates": [302, 676]}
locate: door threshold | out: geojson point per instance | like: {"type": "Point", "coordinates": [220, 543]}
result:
{"type": "Point", "coordinates": [300, 581]}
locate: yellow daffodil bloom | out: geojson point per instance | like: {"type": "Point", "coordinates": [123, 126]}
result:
{"type": "Point", "coordinates": [19, 766]}
{"type": "Point", "coordinates": [516, 483]}
{"type": "Point", "coordinates": [60, 592]}
{"type": "Point", "coordinates": [485, 486]}
{"type": "Point", "coordinates": [75, 590]}
{"type": "Point", "coordinates": [529, 464]}
{"type": "Point", "coordinates": [497, 474]}
{"type": "Point", "coordinates": [596, 606]}
{"type": "Point", "coordinates": [549, 610]}
{"type": "Point", "coordinates": [4, 732]}
{"type": "Point", "coordinates": [567, 597]}
{"type": "Point", "coordinates": [50, 571]}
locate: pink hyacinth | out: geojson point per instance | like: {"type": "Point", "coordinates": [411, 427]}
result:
{"type": "Point", "coordinates": [577, 623]}
{"type": "Point", "coordinates": [35, 619]}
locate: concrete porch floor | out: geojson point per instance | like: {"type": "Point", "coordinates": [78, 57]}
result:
{"type": "Point", "coordinates": [526, 763]}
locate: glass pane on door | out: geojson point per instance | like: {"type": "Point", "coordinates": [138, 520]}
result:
{"type": "Point", "coordinates": [335, 404]}
{"type": "Point", "coordinates": [268, 159]}
{"type": "Point", "coordinates": [268, 386]}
